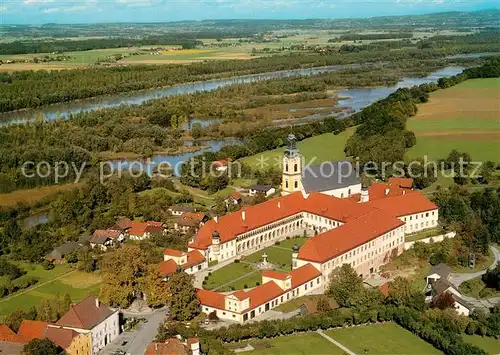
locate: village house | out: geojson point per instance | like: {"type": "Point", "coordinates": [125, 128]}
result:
{"type": "Point", "coordinates": [93, 318]}
{"type": "Point", "coordinates": [72, 342]}
{"type": "Point", "coordinates": [189, 262]}
{"type": "Point", "coordinates": [143, 230]}
{"type": "Point", "coordinates": [190, 221]}
{"type": "Point", "coordinates": [266, 190]}
{"type": "Point", "coordinates": [106, 238]}
{"type": "Point", "coordinates": [220, 165]}
{"type": "Point", "coordinates": [235, 199]}
{"type": "Point", "coordinates": [179, 210]}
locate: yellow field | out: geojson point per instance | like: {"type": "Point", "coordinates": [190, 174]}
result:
{"type": "Point", "coordinates": [31, 196]}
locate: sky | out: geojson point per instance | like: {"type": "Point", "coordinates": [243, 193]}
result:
{"type": "Point", "coordinates": [92, 11]}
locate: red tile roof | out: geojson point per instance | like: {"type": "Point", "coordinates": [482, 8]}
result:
{"type": "Point", "coordinates": [232, 225]}
{"type": "Point", "coordinates": [339, 240]}
{"type": "Point", "coordinates": [194, 257]}
{"type": "Point", "coordinates": [174, 252]}
{"type": "Point", "coordinates": [277, 275]}
{"type": "Point", "coordinates": [304, 274]}
{"type": "Point", "coordinates": [405, 183]}
{"type": "Point", "coordinates": [262, 294]}
{"type": "Point", "coordinates": [403, 205]}
{"type": "Point", "coordinates": [191, 219]}
{"type": "Point", "coordinates": [384, 289]}
{"type": "Point", "coordinates": [31, 329]}
{"type": "Point", "coordinates": [139, 228]}
{"type": "Point", "coordinates": [60, 336]}
{"type": "Point", "coordinates": [220, 163]}
{"type": "Point", "coordinates": [236, 195]}
{"type": "Point", "coordinates": [7, 335]}
{"type": "Point", "coordinates": [211, 299]}
{"type": "Point", "coordinates": [86, 314]}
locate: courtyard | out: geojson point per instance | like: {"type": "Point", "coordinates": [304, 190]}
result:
{"type": "Point", "coordinates": [244, 273]}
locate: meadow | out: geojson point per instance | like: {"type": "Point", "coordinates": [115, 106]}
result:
{"type": "Point", "coordinates": [386, 338]}
{"type": "Point", "coordinates": [317, 149]}
{"type": "Point", "coordinates": [488, 344]}
{"type": "Point", "coordinates": [31, 196]}
{"type": "Point", "coordinates": [56, 282]}
{"type": "Point", "coordinates": [465, 117]}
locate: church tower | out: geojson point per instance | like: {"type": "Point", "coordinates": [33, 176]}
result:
{"type": "Point", "coordinates": [292, 168]}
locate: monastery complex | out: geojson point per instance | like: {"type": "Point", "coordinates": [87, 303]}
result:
{"type": "Point", "coordinates": [346, 224]}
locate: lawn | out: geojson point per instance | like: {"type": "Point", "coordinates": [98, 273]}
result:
{"type": "Point", "coordinates": [280, 255]}
{"type": "Point", "coordinates": [425, 234]}
{"type": "Point", "coordinates": [463, 117]}
{"type": "Point", "coordinates": [226, 274]}
{"type": "Point", "coordinates": [318, 149]}
{"type": "Point", "coordinates": [477, 289]}
{"type": "Point", "coordinates": [490, 345]}
{"type": "Point", "coordinates": [294, 304]}
{"type": "Point", "coordinates": [386, 338]}
{"type": "Point", "coordinates": [307, 344]}
{"type": "Point", "coordinates": [78, 285]}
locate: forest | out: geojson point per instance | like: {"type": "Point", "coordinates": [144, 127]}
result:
{"type": "Point", "coordinates": [25, 47]}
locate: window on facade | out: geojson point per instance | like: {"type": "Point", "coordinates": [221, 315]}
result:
{"type": "Point", "coordinates": [286, 167]}
{"type": "Point", "coordinates": [295, 168]}
{"type": "Point", "coordinates": [296, 184]}
{"type": "Point", "coordinates": [286, 184]}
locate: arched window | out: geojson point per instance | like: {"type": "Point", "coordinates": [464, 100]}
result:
{"type": "Point", "coordinates": [286, 167]}
{"type": "Point", "coordinates": [296, 184]}
{"type": "Point", "coordinates": [342, 195]}
{"type": "Point", "coordinates": [286, 184]}
{"type": "Point", "coordinates": [349, 191]}
{"type": "Point", "coordinates": [295, 168]}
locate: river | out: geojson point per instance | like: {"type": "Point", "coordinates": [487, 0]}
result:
{"type": "Point", "coordinates": [63, 110]}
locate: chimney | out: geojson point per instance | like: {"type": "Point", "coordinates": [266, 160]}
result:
{"type": "Point", "coordinates": [156, 346]}
{"type": "Point", "coordinates": [279, 204]}
{"type": "Point", "coordinates": [404, 192]}
{"type": "Point", "coordinates": [387, 191]}
{"type": "Point", "coordinates": [243, 215]}
{"type": "Point", "coordinates": [216, 219]}
{"type": "Point", "coordinates": [97, 302]}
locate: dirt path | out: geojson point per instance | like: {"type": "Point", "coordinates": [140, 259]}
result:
{"type": "Point", "coordinates": [29, 289]}
{"type": "Point", "coordinates": [334, 342]}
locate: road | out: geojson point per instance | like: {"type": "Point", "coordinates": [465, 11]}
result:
{"type": "Point", "coordinates": [136, 341]}
{"type": "Point", "coordinates": [457, 279]}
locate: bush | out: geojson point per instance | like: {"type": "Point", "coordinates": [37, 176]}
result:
{"type": "Point", "coordinates": [277, 243]}
{"type": "Point", "coordinates": [209, 274]}
{"type": "Point", "coordinates": [257, 283]}
{"type": "Point", "coordinates": [237, 261]}
{"type": "Point", "coordinates": [245, 286]}
{"type": "Point", "coordinates": [48, 265]}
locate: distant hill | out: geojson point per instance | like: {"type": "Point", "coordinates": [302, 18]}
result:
{"type": "Point", "coordinates": [242, 28]}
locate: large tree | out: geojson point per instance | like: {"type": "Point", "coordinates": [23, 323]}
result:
{"type": "Point", "coordinates": [157, 291]}
{"type": "Point", "coordinates": [402, 294]}
{"type": "Point", "coordinates": [42, 347]}
{"type": "Point", "coordinates": [184, 303]}
{"type": "Point", "coordinates": [123, 272]}
{"type": "Point", "coordinates": [344, 285]}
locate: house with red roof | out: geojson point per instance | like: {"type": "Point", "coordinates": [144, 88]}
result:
{"type": "Point", "coordinates": [189, 262]}
{"type": "Point", "coordinates": [143, 230]}
{"type": "Point", "coordinates": [177, 346]}
{"type": "Point", "coordinates": [276, 288]}
{"type": "Point", "coordinates": [93, 318]}
{"type": "Point", "coordinates": [190, 221]}
{"type": "Point", "coordinates": [106, 238]}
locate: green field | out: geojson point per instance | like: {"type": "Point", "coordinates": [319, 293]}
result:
{"type": "Point", "coordinates": [465, 117]}
{"type": "Point", "coordinates": [386, 338]}
{"type": "Point", "coordinates": [280, 255]}
{"type": "Point", "coordinates": [490, 345]}
{"type": "Point", "coordinates": [307, 344]}
{"type": "Point", "coordinates": [78, 284]}
{"type": "Point", "coordinates": [318, 149]}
